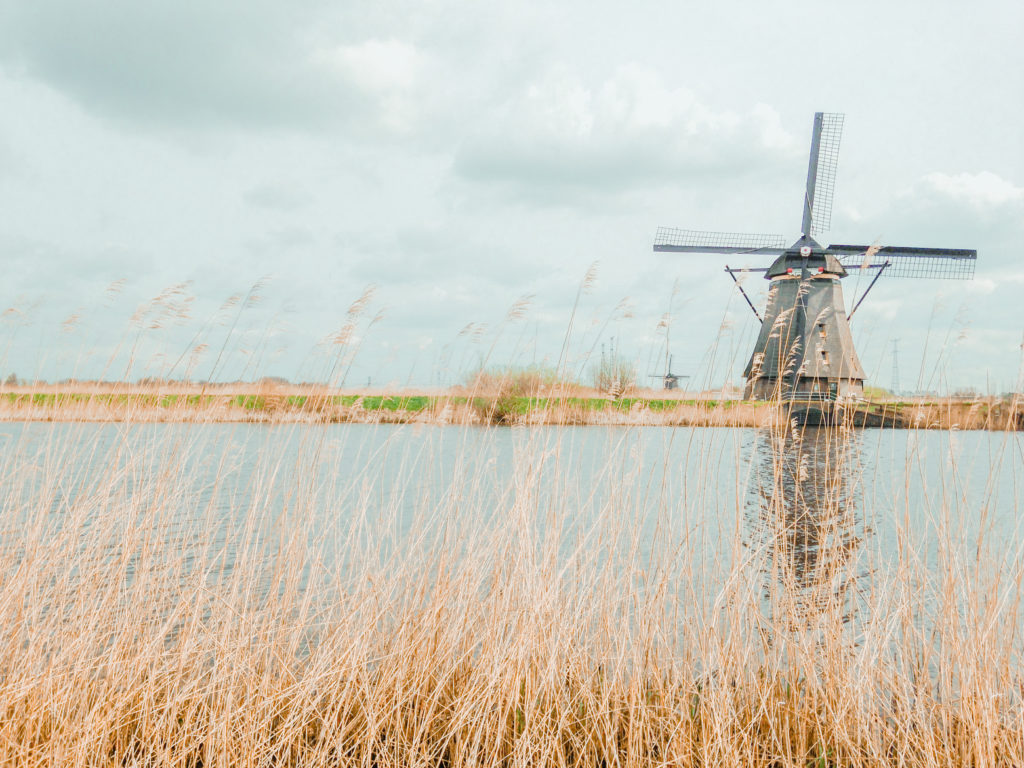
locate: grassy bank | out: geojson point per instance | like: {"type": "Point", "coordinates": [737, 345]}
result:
{"type": "Point", "coordinates": [284, 405]}
{"type": "Point", "coordinates": [327, 406]}
{"type": "Point", "coordinates": [144, 622]}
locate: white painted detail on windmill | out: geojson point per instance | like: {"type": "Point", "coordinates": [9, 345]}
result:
{"type": "Point", "coordinates": [805, 251]}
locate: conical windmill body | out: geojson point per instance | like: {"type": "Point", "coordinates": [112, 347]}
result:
{"type": "Point", "coordinates": [804, 354]}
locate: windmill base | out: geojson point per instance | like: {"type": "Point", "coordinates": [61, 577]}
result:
{"type": "Point", "coordinates": [807, 389]}
{"type": "Point", "coordinates": [812, 413]}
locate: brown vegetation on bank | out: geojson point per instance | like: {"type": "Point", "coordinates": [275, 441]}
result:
{"type": "Point", "coordinates": [990, 413]}
{"type": "Point", "coordinates": [142, 625]}
{"type": "Point", "coordinates": [486, 399]}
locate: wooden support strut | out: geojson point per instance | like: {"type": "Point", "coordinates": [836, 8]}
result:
{"type": "Point", "coordinates": [870, 286]}
{"type": "Point", "coordinates": [749, 302]}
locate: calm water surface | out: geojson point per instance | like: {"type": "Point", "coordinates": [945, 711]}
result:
{"type": "Point", "coordinates": [349, 490]}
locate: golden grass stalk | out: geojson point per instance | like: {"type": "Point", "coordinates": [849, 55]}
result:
{"type": "Point", "coordinates": [176, 597]}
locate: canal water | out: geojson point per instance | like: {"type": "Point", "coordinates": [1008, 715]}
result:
{"type": "Point", "coordinates": [826, 511]}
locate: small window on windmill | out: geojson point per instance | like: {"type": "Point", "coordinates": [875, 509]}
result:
{"type": "Point", "coordinates": [821, 330]}
{"type": "Point", "coordinates": [824, 357]}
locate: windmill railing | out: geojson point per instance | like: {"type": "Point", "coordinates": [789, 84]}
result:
{"type": "Point", "coordinates": [811, 397]}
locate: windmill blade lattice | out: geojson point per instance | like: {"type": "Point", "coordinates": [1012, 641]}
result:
{"type": "Point", "coordinates": [825, 179]}
{"type": "Point", "coordinates": [694, 241]}
{"type": "Point", "coordinates": [933, 263]}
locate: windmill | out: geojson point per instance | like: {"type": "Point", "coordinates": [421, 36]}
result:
{"type": "Point", "coordinates": [804, 354]}
{"type": "Point", "coordinates": [670, 379]}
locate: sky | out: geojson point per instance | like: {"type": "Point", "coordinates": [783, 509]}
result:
{"type": "Point", "coordinates": [400, 192]}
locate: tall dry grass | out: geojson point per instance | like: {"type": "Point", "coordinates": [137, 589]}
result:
{"type": "Point", "coordinates": [165, 603]}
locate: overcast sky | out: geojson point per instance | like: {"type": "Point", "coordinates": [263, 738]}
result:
{"type": "Point", "coordinates": [160, 159]}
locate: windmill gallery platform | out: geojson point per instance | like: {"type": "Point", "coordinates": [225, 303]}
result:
{"type": "Point", "coordinates": [804, 358]}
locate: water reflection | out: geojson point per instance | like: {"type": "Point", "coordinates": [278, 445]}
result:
{"type": "Point", "coordinates": [806, 524]}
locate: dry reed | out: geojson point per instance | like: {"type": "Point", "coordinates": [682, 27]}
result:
{"type": "Point", "coordinates": [292, 613]}
{"type": "Point", "coordinates": [526, 398]}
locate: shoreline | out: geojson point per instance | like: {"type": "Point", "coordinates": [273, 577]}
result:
{"type": "Point", "coordinates": [258, 405]}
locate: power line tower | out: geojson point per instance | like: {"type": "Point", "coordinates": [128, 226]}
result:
{"type": "Point", "coordinates": [895, 386]}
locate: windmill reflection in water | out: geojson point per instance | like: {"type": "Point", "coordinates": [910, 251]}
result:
{"type": "Point", "coordinates": [806, 525]}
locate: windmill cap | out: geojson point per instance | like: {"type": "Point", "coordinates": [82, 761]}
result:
{"type": "Point", "coordinates": [819, 262]}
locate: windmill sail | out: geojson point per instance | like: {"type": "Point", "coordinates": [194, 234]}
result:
{"type": "Point", "coordinates": [935, 263]}
{"type": "Point", "coordinates": [692, 241]}
{"type": "Point", "coordinates": [804, 352]}
{"type": "Point", "coordinates": [821, 172]}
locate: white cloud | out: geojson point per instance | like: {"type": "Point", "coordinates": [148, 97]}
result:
{"type": "Point", "coordinates": [395, 142]}
{"type": "Point", "coordinates": [377, 65]}
{"type": "Point", "coordinates": [982, 190]}
{"type": "Point", "coordinates": [387, 72]}
{"type": "Point", "coordinates": [629, 129]}
{"type": "Point", "coordinates": [980, 285]}
{"type": "Point", "coordinates": [853, 214]}
{"type": "Point", "coordinates": [888, 309]}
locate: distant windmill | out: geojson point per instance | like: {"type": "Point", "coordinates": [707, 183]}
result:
{"type": "Point", "coordinates": [671, 379]}
{"type": "Point", "coordinates": [804, 353]}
